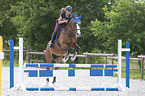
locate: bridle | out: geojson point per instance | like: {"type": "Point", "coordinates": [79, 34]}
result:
{"type": "Point", "coordinates": [74, 32]}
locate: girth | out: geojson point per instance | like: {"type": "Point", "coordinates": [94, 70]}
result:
{"type": "Point", "coordinates": [60, 45]}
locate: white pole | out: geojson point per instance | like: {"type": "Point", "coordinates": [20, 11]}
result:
{"type": "Point", "coordinates": [119, 85]}
{"type": "Point", "coordinates": [21, 59]}
{"type": "Point", "coordinates": [119, 60]}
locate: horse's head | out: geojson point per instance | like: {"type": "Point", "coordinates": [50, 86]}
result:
{"type": "Point", "coordinates": [78, 22]}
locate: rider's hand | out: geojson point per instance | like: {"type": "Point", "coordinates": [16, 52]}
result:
{"type": "Point", "coordinates": [66, 21]}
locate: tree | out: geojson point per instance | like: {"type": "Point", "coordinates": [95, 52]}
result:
{"type": "Point", "coordinates": [35, 22]}
{"type": "Point", "coordinates": [126, 22]}
{"type": "Point", "coordinates": [7, 29]}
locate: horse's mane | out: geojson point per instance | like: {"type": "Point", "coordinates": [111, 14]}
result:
{"type": "Point", "coordinates": [69, 24]}
{"type": "Point", "coordinates": [69, 28]}
{"type": "Point", "coordinates": [70, 20]}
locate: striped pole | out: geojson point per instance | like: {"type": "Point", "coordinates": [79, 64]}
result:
{"type": "Point", "coordinates": [70, 65]}
{"type": "Point", "coordinates": [70, 73]}
{"type": "Point", "coordinates": [1, 57]}
{"type": "Point", "coordinates": [71, 89]}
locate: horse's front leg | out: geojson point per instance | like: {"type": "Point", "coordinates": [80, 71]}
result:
{"type": "Point", "coordinates": [75, 53]}
{"type": "Point", "coordinates": [67, 56]}
{"type": "Point", "coordinates": [74, 56]}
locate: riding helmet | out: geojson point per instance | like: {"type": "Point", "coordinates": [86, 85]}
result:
{"type": "Point", "coordinates": [68, 8]}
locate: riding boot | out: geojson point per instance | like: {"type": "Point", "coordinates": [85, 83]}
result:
{"type": "Point", "coordinates": [52, 40]}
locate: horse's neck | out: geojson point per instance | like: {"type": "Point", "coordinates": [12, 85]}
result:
{"type": "Point", "coordinates": [70, 26]}
{"type": "Point", "coordinates": [69, 33]}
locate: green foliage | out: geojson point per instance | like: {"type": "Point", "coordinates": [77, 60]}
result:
{"type": "Point", "coordinates": [7, 29]}
{"type": "Point", "coordinates": [35, 21]}
{"type": "Point", "coordinates": [90, 10]}
{"type": "Point", "coordinates": [126, 22]}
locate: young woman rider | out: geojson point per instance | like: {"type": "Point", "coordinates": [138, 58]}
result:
{"type": "Point", "coordinates": [61, 22]}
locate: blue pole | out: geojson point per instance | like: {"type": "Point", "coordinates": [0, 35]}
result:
{"type": "Point", "coordinates": [11, 63]}
{"type": "Point", "coordinates": [127, 65]}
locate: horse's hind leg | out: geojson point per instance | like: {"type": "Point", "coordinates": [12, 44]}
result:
{"type": "Point", "coordinates": [58, 60]}
{"type": "Point", "coordinates": [48, 56]}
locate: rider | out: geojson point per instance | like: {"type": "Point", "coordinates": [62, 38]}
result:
{"type": "Point", "coordinates": [61, 22]}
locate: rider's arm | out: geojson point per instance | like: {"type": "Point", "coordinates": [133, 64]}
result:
{"type": "Point", "coordinates": [60, 20]}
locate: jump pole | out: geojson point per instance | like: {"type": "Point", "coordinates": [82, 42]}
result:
{"type": "Point", "coordinates": [1, 57]}
{"type": "Point", "coordinates": [119, 85]}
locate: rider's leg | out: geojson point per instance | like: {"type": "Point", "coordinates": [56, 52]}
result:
{"type": "Point", "coordinates": [52, 39]}
{"type": "Point", "coordinates": [57, 27]}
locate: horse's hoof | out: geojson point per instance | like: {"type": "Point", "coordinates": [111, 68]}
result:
{"type": "Point", "coordinates": [47, 79]}
{"type": "Point", "coordinates": [49, 82]}
{"type": "Point", "coordinates": [54, 80]}
{"type": "Point", "coordinates": [63, 60]}
{"type": "Point", "coordinates": [72, 59]}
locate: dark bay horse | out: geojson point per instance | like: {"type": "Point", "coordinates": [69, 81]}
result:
{"type": "Point", "coordinates": [66, 41]}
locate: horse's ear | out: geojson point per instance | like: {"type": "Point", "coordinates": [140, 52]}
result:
{"type": "Point", "coordinates": [80, 16]}
{"type": "Point", "coordinates": [74, 16]}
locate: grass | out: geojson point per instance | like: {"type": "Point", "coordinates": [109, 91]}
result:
{"type": "Point", "coordinates": [135, 72]}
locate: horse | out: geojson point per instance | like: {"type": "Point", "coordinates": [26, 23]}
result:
{"type": "Point", "coordinates": [63, 44]}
